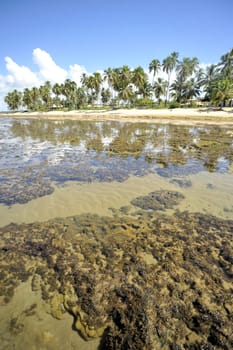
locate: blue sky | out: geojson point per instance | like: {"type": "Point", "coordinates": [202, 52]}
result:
{"type": "Point", "coordinates": [96, 34]}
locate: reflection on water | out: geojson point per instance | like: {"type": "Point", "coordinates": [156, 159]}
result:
{"type": "Point", "coordinates": [145, 260]}
{"type": "Point", "coordinates": [35, 153]}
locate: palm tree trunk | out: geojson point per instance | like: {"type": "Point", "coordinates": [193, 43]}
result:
{"type": "Point", "coordinates": [168, 87]}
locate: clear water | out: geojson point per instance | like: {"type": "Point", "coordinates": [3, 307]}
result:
{"type": "Point", "coordinates": [58, 169]}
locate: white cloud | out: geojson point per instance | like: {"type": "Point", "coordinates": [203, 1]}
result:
{"type": "Point", "coordinates": [19, 76]}
{"type": "Point", "coordinates": [75, 73]}
{"type": "Point", "coordinates": [48, 69]}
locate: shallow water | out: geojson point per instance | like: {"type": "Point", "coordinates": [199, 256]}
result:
{"type": "Point", "coordinates": [52, 170]}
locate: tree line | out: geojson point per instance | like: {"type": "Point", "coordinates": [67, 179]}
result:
{"type": "Point", "coordinates": [125, 86]}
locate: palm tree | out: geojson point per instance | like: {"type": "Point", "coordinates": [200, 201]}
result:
{"type": "Point", "coordinates": [27, 99]}
{"type": "Point", "coordinates": [69, 90]}
{"type": "Point", "coordinates": [57, 90]}
{"type": "Point", "coordinates": [84, 79]}
{"type": "Point", "coordinates": [105, 95]}
{"type": "Point", "coordinates": [125, 76]}
{"type": "Point", "coordinates": [80, 97]}
{"type": "Point", "coordinates": [176, 89]}
{"type": "Point", "coordinates": [139, 78]}
{"type": "Point", "coordinates": [226, 65]}
{"type": "Point", "coordinates": [108, 75]}
{"type": "Point", "coordinates": [169, 64]}
{"type": "Point", "coordinates": [145, 90]}
{"type": "Point", "coordinates": [116, 79]}
{"type": "Point", "coordinates": [93, 83]}
{"type": "Point", "coordinates": [207, 80]}
{"type": "Point", "coordinates": [222, 91]}
{"type": "Point", "coordinates": [216, 82]}
{"type": "Point", "coordinates": [84, 82]}
{"type": "Point", "coordinates": [97, 81]}
{"type": "Point", "coordinates": [159, 88]}
{"type": "Point", "coordinates": [35, 95]}
{"type": "Point", "coordinates": [154, 67]}
{"type": "Point", "coordinates": [191, 89]}
{"type": "Point", "coordinates": [187, 67]}
{"type": "Point", "coordinates": [13, 100]}
{"type": "Point", "coordinates": [121, 78]}
{"type": "Point", "coordinates": [200, 75]}
{"type": "Point", "coordinates": [127, 94]}
{"type": "Point", "coordinates": [45, 94]}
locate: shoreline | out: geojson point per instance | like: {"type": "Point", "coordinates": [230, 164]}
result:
{"type": "Point", "coordinates": [178, 116]}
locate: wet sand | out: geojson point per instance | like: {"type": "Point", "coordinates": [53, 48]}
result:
{"type": "Point", "coordinates": [178, 116]}
{"type": "Point", "coordinates": [27, 324]}
{"type": "Point", "coordinates": [209, 194]}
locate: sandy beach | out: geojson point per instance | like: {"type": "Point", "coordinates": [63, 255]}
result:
{"type": "Point", "coordinates": [191, 116]}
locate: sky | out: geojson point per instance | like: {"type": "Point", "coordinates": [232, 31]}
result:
{"type": "Point", "coordinates": [54, 40]}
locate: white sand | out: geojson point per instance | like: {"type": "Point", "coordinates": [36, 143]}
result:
{"type": "Point", "coordinates": [172, 116]}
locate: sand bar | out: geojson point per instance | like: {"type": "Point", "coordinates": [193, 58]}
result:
{"type": "Point", "coordinates": [187, 116]}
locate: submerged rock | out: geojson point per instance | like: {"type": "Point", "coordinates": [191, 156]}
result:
{"type": "Point", "coordinates": [158, 200]}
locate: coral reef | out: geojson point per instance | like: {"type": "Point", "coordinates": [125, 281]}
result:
{"type": "Point", "coordinates": [23, 188]}
{"type": "Point", "coordinates": [158, 200]}
{"type": "Point", "coordinates": [139, 282]}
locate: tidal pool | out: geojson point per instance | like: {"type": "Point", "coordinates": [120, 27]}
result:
{"type": "Point", "coordinates": [115, 235]}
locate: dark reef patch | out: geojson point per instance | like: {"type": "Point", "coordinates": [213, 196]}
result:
{"type": "Point", "coordinates": [158, 200]}
{"type": "Point", "coordinates": [23, 189]}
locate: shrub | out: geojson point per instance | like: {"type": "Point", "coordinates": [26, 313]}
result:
{"type": "Point", "coordinates": [174, 104]}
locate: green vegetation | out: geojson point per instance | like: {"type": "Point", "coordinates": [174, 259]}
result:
{"type": "Point", "coordinates": [131, 87]}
